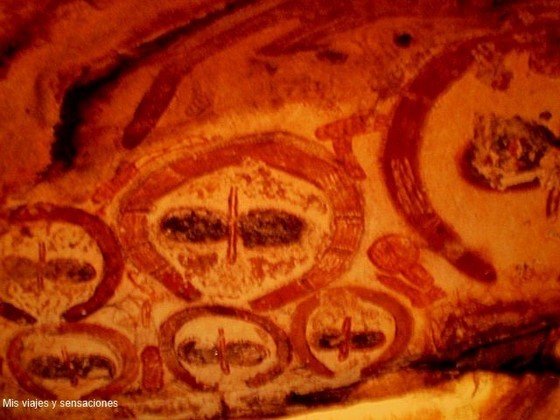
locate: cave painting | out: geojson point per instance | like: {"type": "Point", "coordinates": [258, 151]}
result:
{"type": "Point", "coordinates": [519, 151]}
{"type": "Point", "coordinates": [342, 132]}
{"type": "Point", "coordinates": [39, 269]}
{"type": "Point", "coordinates": [398, 257]}
{"type": "Point", "coordinates": [259, 218]}
{"type": "Point", "coordinates": [352, 329]}
{"type": "Point", "coordinates": [195, 347]}
{"type": "Point", "coordinates": [83, 360]}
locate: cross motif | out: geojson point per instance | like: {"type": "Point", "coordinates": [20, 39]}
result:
{"type": "Point", "coordinates": [344, 346]}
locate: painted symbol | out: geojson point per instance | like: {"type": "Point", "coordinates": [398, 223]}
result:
{"type": "Point", "coordinates": [57, 269]}
{"type": "Point", "coordinates": [260, 167]}
{"type": "Point", "coordinates": [401, 163]}
{"type": "Point", "coordinates": [108, 190]}
{"type": "Point", "coordinates": [259, 356]}
{"type": "Point", "coordinates": [152, 369]}
{"type": "Point", "coordinates": [315, 337]}
{"type": "Point", "coordinates": [72, 367]}
{"type": "Point", "coordinates": [39, 370]}
{"type": "Point", "coordinates": [33, 275]}
{"type": "Point", "coordinates": [346, 339]}
{"type": "Point", "coordinates": [257, 228]}
{"type": "Point", "coordinates": [342, 132]}
{"type": "Point", "coordinates": [399, 257]}
{"type": "Point", "coordinates": [223, 353]}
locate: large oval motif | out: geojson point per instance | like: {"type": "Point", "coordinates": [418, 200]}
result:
{"type": "Point", "coordinates": [197, 348]}
{"type": "Point", "coordinates": [43, 266]}
{"type": "Point", "coordinates": [72, 361]}
{"type": "Point", "coordinates": [258, 219]}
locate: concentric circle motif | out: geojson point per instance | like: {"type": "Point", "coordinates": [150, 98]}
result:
{"type": "Point", "coordinates": [343, 329]}
{"type": "Point", "coordinates": [80, 360]}
{"type": "Point", "coordinates": [197, 350]}
{"type": "Point", "coordinates": [258, 219]}
{"type": "Point", "coordinates": [51, 258]}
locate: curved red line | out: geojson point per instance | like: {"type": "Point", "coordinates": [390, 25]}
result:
{"type": "Point", "coordinates": [153, 104]}
{"type": "Point", "coordinates": [275, 150]}
{"type": "Point", "coordinates": [404, 325]}
{"type": "Point", "coordinates": [298, 336]}
{"type": "Point", "coordinates": [118, 343]}
{"type": "Point", "coordinates": [101, 234]}
{"type": "Point", "coordinates": [404, 140]}
{"type": "Point", "coordinates": [170, 327]}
